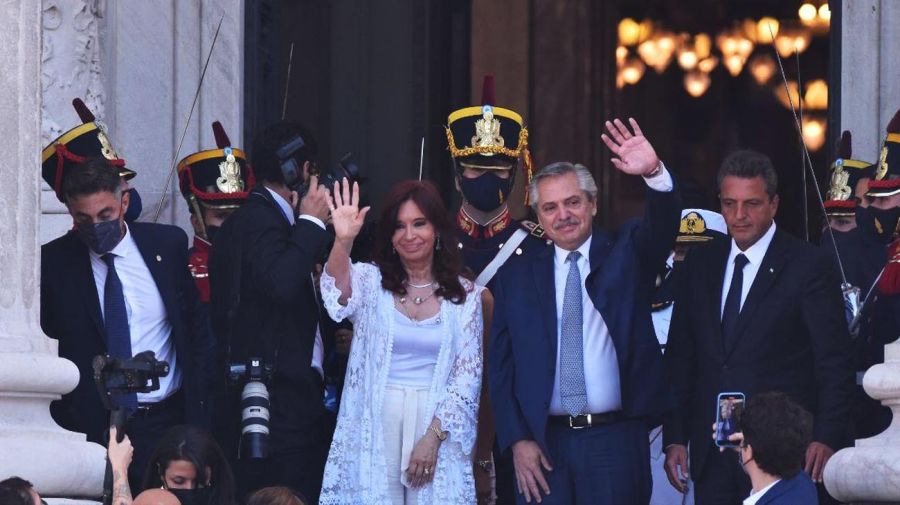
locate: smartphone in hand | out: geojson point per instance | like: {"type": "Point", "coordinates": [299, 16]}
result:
{"type": "Point", "coordinates": [729, 407]}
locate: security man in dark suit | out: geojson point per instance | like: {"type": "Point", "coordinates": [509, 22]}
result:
{"type": "Point", "coordinates": [759, 312]}
{"type": "Point", "coordinates": [117, 289]}
{"type": "Point", "coordinates": [575, 371]}
{"type": "Point", "coordinates": [263, 305]}
{"type": "Point", "coordinates": [485, 163]}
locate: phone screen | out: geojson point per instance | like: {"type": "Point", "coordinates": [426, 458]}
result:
{"type": "Point", "coordinates": [728, 417]}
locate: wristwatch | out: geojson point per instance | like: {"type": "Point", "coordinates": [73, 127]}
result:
{"type": "Point", "coordinates": [441, 435]}
{"type": "Point", "coordinates": [486, 465]}
{"type": "Point", "coordinates": [656, 171]}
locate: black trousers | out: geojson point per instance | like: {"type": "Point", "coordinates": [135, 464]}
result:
{"type": "Point", "coordinates": [144, 429]}
{"type": "Point", "coordinates": [603, 465]}
{"type": "Point", "coordinates": [300, 437]}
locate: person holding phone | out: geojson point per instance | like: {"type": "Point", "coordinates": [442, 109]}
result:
{"type": "Point", "coordinates": [761, 311]}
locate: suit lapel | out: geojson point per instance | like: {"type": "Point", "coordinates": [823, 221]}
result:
{"type": "Point", "coordinates": [715, 280]}
{"type": "Point", "coordinates": [772, 263]}
{"type": "Point", "coordinates": [600, 246]}
{"type": "Point", "coordinates": [545, 288]}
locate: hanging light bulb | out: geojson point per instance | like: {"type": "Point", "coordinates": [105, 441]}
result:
{"type": "Point", "coordinates": [629, 32]}
{"type": "Point", "coordinates": [702, 45]}
{"type": "Point", "coordinates": [766, 28]}
{"type": "Point", "coordinates": [687, 59]}
{"type": "Point", "coordinates": [782, 96]}
{"type": "Point", "coordinates": [762, 67]}
{"type": "Point", "coordinates": [646, 30]}
{"type": "Point", "coordinates": [825, 13]}
{"type": "Point", "coordinates": [633, 70]}
{"type": "Point", "coordinates": [801, 41]}
{"type": "Point", "coordinates": [696, 83]}
{"type": "Point", "coordinates": [707, 65]}
{"type": "Point", "coordinates": [813, 132]}
{"type": "Point", "coordinates": [621, 53]}
{"type": "Point", "coordinates": [808, 13]}
{"type": "Point", "coordinates": [816, 97]}
{"type": "Point", "coordinates": [784, 44]}
{"type": "Point", "coordinates": [734, 63]}
{"type": "Point", "coordinates": [748, 27]}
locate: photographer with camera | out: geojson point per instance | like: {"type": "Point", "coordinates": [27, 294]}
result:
{"type": "Point", "coordinates": [265, 314]}
{"type": "Point", "coordinates": [119, 289]}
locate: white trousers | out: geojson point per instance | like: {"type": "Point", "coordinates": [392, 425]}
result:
{"type": "Point", "coordinates": [402, 415]}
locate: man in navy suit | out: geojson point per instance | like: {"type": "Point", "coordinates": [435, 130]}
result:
{"type": "Point", "coordinates": [576, 379]}
{"type": "Point", "coordinates": [776, 433]}
{"type": "Point", "coordinates": [108, 287]}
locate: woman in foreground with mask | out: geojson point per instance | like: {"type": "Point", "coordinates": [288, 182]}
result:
{"type": "Point", "coordinates": [189, 464]}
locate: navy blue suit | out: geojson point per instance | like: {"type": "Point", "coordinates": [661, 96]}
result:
{"type": "Point", "coordinates": [798, 490]}
{"type": "Point", "coordinates": [523, 346]}
{"type": "Point", "coordinates": [71, 314]}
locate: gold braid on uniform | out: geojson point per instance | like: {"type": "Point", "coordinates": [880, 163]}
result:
{"type": "Point", "coordinates": [528, 163]}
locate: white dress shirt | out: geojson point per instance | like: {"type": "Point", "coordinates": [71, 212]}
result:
{"type": "Point", "coordinates": [755, 497]}
{"type": "Point", "coordinates": [148, 321]}
{"type": "Point", "coordinates": [601, 366]}
{"type": "Point", "coordinates": [662, 318]}
{"type": "Point", "coordinates": [318, 354]}
{"type": "Point", "coordinates": [755, 254]}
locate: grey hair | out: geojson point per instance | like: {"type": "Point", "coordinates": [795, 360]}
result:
{"type": "Point", "coordinates": [585, 179]}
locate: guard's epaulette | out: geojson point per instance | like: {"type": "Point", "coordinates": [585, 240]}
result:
{"type": "Point", "coordinates": [533, 228]}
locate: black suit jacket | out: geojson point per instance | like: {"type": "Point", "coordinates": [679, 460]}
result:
{"type": "Point", "coordinates": [523, 341]}
{"type": "Point", "coordinates": [792, 338]}
{"type": "Point", "coordinates": [71, 314]}
{"type": "Point", "coordinates": [262, 299]}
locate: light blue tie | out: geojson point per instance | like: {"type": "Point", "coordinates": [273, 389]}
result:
{"type": "Point", "coordinates": [571, 355]}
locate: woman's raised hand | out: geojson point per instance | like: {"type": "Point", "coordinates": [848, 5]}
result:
{"type": "Point", "coordinates": [346, 216]}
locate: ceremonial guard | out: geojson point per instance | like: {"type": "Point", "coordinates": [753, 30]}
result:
{"type": "Point", "coordinates": [849, 183]}
{"type": "Point", "coordinates": [697, 227]}
{"type": "Point", "coordinates": [214, 183]}
{"type": "Point", "coordinates": [879, 230]}
{"type": "Point", "coordinates": [487, 144]}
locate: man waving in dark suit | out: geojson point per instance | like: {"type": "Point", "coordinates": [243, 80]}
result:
{"type": "Point", "coordinates": [758, 312]}
{"type": "Point", "coordinates": [575, 370]}
{"type": "Point", "coordinates": [108, 287]}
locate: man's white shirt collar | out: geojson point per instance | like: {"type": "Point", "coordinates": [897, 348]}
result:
{"type": "Point", "coordinates": [756, 252]}
{"type": "Point", "coordinates": [584, 249]}
{"type": "Point", "coordinates": [755, 497]}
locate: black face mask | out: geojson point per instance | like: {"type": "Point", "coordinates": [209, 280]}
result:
{"type": "Point", "coordinates": [101, 237]}
{"type": "Point", "coordinates": [197, 496]}
{"type": "Point", "coordinates": [878, 223]}
{"type": "Point", "coordinates": [211, 232]}
{"type": "Point", "coordinates": [485, 192]}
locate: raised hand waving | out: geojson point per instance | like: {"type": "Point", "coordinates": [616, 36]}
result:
{"type": "Point", "coordinates": [634, 154]}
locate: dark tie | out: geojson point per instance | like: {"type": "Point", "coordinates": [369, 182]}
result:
{"type": "Point", "coordinates": [115, 318]}
{"type": "Point", "coordinates": [733, 302]}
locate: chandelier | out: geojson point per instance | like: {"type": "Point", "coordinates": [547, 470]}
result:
{"type": "Point", "coordinates": [647, 44]}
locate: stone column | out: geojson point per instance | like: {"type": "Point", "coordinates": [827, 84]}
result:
{"type": "Point", "coordinates": [869, 472]}
{"type": "Point", "coordinates": [58, 462]}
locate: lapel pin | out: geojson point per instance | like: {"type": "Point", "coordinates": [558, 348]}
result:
{"type": "Point", "coordinates": [518, 251]}
{"type": "Point", "coordinates": [158, 258]}
{"type": "Point", "coordinates": [771, 270]}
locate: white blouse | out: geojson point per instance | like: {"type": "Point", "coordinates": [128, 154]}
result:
{"type": "Point", "coordinates": [356, 472]}
{"type": "Point", "coordinates": [416, 347]}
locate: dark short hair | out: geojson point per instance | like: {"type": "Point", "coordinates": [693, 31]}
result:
{"type": "Point", "coordinates": [192, 444]}
{"type": "Point", "coordinates": [276, 495]}
{"type": "Point", "coordinates": [94, 175]}
{"type": "Point", "coordinates": [779, 431]}
{"type": "Point", "coordinates": [448, 264]}
{"type": "Point", "coordinates": [15, 491]}
{"type": "Point", "coordinates": [748, 164]}
{"type": "Point", "coordinates": [265, 160]}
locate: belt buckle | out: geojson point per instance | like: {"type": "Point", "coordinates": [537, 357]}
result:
{"type": "Point", "coordinates": [588, 425]}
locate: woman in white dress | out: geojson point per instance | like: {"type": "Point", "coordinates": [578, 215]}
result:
{"type": "Point", "coordinates": [408, 418]}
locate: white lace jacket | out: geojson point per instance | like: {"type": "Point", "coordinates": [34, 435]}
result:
{"type": "Point", "coordinates": [356, 469]}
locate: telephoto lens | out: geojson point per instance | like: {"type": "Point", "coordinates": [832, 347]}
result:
{"type": "Point", "coordinates": [254, 421]}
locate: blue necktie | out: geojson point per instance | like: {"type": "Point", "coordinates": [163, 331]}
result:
{"type": "Point", "coordinates": [733, 302]}
{"type": "Point", "coordinates": [115, 318]}
{"type": "Point", "coordinates": [572, 391]}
